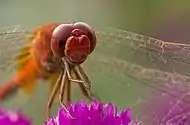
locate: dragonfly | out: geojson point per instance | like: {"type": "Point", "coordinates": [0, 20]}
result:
{"type": "Point", "coordinates": [132, 66]}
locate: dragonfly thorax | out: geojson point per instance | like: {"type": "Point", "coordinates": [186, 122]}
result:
{"type": "Point", "coordinates": [51, 63]}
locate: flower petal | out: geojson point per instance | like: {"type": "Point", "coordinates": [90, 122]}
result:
{"type": "Point", "coordinates": [96, 113]}
{"type": "Point", "coordinates": [13, 118]}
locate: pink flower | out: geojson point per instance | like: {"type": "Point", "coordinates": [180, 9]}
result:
{"type": "Point", "coordinates": [13, 118]}
{"type": "Point", "coordinates": [96, 113]}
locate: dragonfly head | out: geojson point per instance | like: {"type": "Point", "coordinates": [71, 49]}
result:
{"type": "Point", "coordinates": [75, 41]}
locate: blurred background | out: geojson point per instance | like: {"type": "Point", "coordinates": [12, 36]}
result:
{"type": "Point", "coordinates": [164, 19]}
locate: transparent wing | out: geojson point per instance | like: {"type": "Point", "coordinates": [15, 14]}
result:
{"type": "Point", "coordinates": [149, 52]}
{"type": "Point", "coordinates": [135, 71]}
{"type": "Point", "coordinates": [12, 40]}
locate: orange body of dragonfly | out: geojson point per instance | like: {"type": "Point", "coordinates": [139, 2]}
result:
{"type": "Point", "coordinates": [55, 51]}
{"type": "Point", "coordinates": [128, 63]}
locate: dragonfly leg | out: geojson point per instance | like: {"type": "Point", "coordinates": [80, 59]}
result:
{"type": "Point", "coordinates": [68, 92]}
{"type": "Point", "coordinates": [80, 74]}
{"type": "Point", "coordinates": [64, 82]}
{"type": "Point", "coordinates": [67, 68]}
{"type": "Point", "coordinates": [52, 95]}
{"type": "Point", "coordinates": [86, 93]}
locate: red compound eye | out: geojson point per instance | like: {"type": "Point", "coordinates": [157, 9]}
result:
{"type": "Point", "coordinates": [63, 33]}
{"type": "Point", "coordinates": [59, 38]}
{"type": "Point", "coordinates": [88, 31]}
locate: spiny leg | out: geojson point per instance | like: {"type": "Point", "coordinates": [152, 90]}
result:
{"type": "Point", "coordinates": [84, 88]}
{"type": "Point", "coordinates": [68, 98]}
{"type": "Point", "coordinates": [82, 75]}
{"type": "Point", "coordinates": [62, 89]}
{"type": "Point", "coordinates": [86, 93]}
{"type": "Point", "coordinates": [61, 95]}
{"type": "Point", "coordinates": [68, 70]}
{"type": "Point", "coordinates": [53, 94]}
{"type": "Point", "coordinates": [66, 93]}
